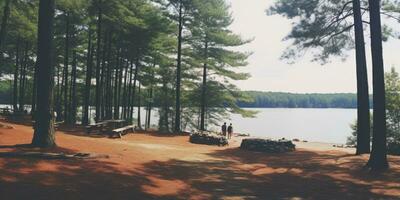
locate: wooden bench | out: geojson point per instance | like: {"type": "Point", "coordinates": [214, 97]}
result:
{"type": "Point", "coordinates": [123, 130]}
{"type": "Point", "coordinates": [98, 126]}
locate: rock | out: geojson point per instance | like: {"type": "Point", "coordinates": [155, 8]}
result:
{"type": "Point", "coordinates": [208, 138]}
{"type": "Point", "coordinates": [267, 145]}
{"type": "Point", "coordinates": [296, 140]}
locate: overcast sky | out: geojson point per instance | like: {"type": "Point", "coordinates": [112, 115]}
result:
{"type": "Point", "coordinates": [269, 73]}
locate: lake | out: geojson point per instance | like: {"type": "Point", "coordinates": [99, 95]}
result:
{"type": "Point", "coordinates": [319, 125]}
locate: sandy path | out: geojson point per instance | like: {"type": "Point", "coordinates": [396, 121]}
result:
{"type": "Point", "coordinates": [145, 166]}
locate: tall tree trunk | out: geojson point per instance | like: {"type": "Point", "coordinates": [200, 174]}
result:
{"type": "Point", "coordinates": [98, 53]}
{"type": "Point", "coordinates": [73, 90]}
{"type": "Point", "coordinates": [116, 81]}
{"type": "Point", "coordinates": [108, 89]}
{"type": "Point", "coordinates": [66, 63]}
{"type": "Point", "coordinates": [4, 21]}
{"type": "Point", "coordinates": [363, 116]}
{"type": "Point", "coordinates": [34, 89]}
{"type": "Point", "coordinates": [125, 91]}
{"type": "Point", "coordinates": [137, 67]}
{"type": "Point", "coordinates": [58, 96]}
{"type": "Point", "coordinates": [44, 125]}
{"type": "Point", "coordinates": [86, 98]}
{"type": "Point", "coordinates": [204, 88]}
{"type": "Point", "coordinates": [22, 81]}
{"type": "Point", "coordinates": [178, 72]}
{"type": "Point", "coordinates": [149, 108]}
{"type": "Point", "coordinates": [102, 77]}
{"type": "Point", "coordinates": [139, 121]}
{"type": "Point", "coordinates": [120, 86]}
{"type": "Point", "coordinates": [16, 77]}
{"type": "Point", "coordinates": [130, 99]}
{"type": "Point", "coordinates": [378, 158]}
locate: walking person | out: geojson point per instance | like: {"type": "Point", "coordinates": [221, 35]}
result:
{"type": "Point", "coordinates": [230, 131]}
{"type": "Point", "coordinates": [224, 129]}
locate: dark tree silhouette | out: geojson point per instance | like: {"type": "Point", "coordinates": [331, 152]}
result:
{"type": "Point", "coordinates": [4, 21]}
{"type": "Point", "coordinates": [203, 89]}
{"type": "Point", "coordinates": [377, 160]}
{"type": "Point", "coordinates": [178, 72]}
{"type": "Point", "coordinates": [363, 115]}
{"type": "Point", "coordinates": [89, 62]}
{"type": "Point", "coordinates": [44, 125]}
{"type": "Point", "coordinates": [98, 89]}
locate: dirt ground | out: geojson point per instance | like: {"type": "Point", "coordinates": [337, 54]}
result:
{"type": "Point", "coordinates": [151, 166]}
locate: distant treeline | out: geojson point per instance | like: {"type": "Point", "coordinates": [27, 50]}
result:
{"type": "Point", "coordinates": [260, 99]}
{"type": "Point", "coordinates": [291, 100]}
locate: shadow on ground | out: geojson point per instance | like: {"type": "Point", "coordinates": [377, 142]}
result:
{"type": "Point", "coordinates": [229, 174]}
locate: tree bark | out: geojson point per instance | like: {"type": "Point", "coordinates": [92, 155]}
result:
{"type": "Point", "coordinates": [108, 89]}
{"type": "Point", "coordinates": [178, 73]}
{"type": "Point", "coordinates": [16, 77]}
{"type": "Point", "coordinates": [88, 81]}
{"type": "Point", "coordinates": [139, 121]}
{"type": "Point", "coordinates": [4, 21]}
{"type": "Point", "coordinates": [204, 88]}
{"type": "Point", "coordinates": [98, 53]}
{"type": "Point", "coordinates": [116, 81]}
{"type": "Point", "coordinates": [34, 89]}
{"type": "Point", "coordinates": [148, 120]}
{"type": "Point", "coordinates": [103, 77]}
{"type": "Point", "coordinates": [66, 62]}
{"type": "Point", "coordinates": [120, 86]}
{"type": "Point", "coordinates": [130, 99]}
{"type": "Point", "coordinates": [125, 91]}
{"type": "Point", "coordinates": [363, 115]}
{"type": "Point", "coordinates": [135, 79]}
{"type": "Point", "coordinates": [44, 125]}
{"type": "Point", "coordinates": [22, 81]}
{"type": "Point", "coordinates": [58, 96]}
{"type": "Point", "coordinates": [73, 90]}
{"type": "Point", "coordinates": [378, 158]}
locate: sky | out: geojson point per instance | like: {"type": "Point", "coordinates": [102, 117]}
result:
{"type": "Point", "coordinates": [270, 73]}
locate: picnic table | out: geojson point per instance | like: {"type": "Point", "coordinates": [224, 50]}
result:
{"type": "Point", "coordinates": [97, 126]}
{"type": "Point", "coordinates": [5, 110]}
{"type": "Point", "coordinates": [105, 126]}
{"type": "Point", "coordinates": [115, 123]}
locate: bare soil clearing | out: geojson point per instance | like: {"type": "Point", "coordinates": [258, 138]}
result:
{"type": "Point", "coordinates": [151, 166]}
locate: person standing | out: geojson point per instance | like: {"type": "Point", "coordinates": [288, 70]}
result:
{"type": "Point", "coordinates": [230, 131]}
{"type": "Point", "coordinates": [224, 129]}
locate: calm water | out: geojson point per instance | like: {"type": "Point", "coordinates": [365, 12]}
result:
{"type": "Point", "coordinates": [321, 125]}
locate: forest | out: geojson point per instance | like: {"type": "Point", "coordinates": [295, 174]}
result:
{"type": "Point", "coordinates": [111, 56]}
{"type": "Point", "coordinates": [292, 100]}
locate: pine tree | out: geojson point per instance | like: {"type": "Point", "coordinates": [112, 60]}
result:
{"type": "Point", "coordinates": [44, 125]}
